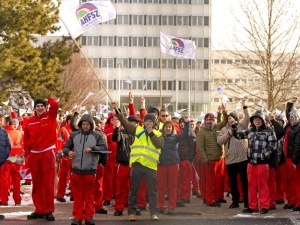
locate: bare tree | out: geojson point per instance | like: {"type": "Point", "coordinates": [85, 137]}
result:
{"type": "Point", "coordinates": [78, 79]}
{"type": "Point", "coordinates": [265, 47]}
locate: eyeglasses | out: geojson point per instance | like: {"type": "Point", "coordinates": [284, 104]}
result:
{"type": "Point", "coordinates": [164, 115]}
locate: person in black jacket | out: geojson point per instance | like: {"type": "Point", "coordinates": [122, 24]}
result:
{"type": "Point", "coordinates": [4, 150]}
{"type": "Point", "coordinates": [187, 153]}
{"type": "Point", "coordinates": [124, 140]}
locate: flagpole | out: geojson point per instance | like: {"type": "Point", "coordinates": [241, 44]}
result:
{"type": "Point", "coordinates": [176, 89]}
{"type": "Point", "coordinates": [189, 101]}
{"type": "Point", "coordinates": [160, 81]}
{"type": "Point", "coordinates": [92, 69]}
{"type": "Point", "coordinates": [119, 86]}
{"type": "Point", "coordinates": [107, 87]}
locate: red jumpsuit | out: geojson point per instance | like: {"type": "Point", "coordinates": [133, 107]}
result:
{"type": "Point", "coordinates": [110, 168]}
{"type": "Point", "coordinates": [40, 144]}
{"type": "Point", "coordinates": [65, 163]}
{"type": "Point", "coordinates": [10, 171]}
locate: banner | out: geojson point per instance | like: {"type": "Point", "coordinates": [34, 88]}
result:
{"type": "Point", "coordinates": [80, 18]}
{"type": "Point", "coordinates": [177, 47]}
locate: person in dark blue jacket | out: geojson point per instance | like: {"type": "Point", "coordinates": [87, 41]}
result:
{"type": "Point", "coordinates": [4, 150]}
{"type": "Point", "coordinates": [168, 169]}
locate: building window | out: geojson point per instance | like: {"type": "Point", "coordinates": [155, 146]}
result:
{"type": "Point", "coordinates": [123, 19]}
{"type": "Point", "coordinates": [137, 1]}
{"type": "Point", "coordinates": [229, 61]}
{"type": "Point", "coordinates": [182, 21]}
{"type": "Point", "coordinates": [123, 1]}
{"type": "Point", "coordinates": [206, 42]}
{"type": "Point", "coordinates": [164, 85]}
{"type": "Point", "coordinates": [122, 41]}
{"type": "Point", "coordinates": [83, 40]}
{"type": "Point", "coordinates": [137, 63]}
{"type": "Point", "coordinates": [152, 1]}
{"type": "Point", "coordinates": [216, 99]}
{"type": "Point", "coordinates": [182, 1]}
{"type": "Point", "coordinates": [122, 63]}
{"type": "Point", "coordinates": [206, 64]}
{"type": "Point", "coordinates": [223, 61]}
{"type": "Point", "coordinates": [138, 20]}
{"type": "Point", "coordinates": [168, 63]}
{"type": "Point", "coordinates": [89, 40]}
{"type": "Point", "coordinates": [206, 21]}
{"type": "Point", "coordinates": [183, 85]}
{"type": "Point", "coordinates": [107, 41]}
{"type": "Point", "coordinates": [153, 41]}
{"type": "Point", "coordinates": [198, 41]}
{"type": "Point", "coordinates": [205, 87]}
{"type": "Point", "coordinates": [197, 20]}
{"type": "Point", "coordinates": [152, 63]}
{"type": "Point", "coordinates": [167, 1]}
{"type": "Point", "coordinates": [154, 85]}
{"type": "Point", "coordinates": [152, 20]}
{"type": "Point", "coordinates": [137, 41]}
{"type": "Point", "coordinates": [171, 85]}
{"type": "Point", "coordinates": [167, 20]}
{"type": "Point", "coordinates": [216, 61]}
{"type": "Point", "coordinates": [107, 63]}
{"type": "Point", "coordinates": [197, 1]}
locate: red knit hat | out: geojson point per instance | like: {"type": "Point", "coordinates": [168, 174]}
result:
{"type": "Point", "coordinates": [209, 115]}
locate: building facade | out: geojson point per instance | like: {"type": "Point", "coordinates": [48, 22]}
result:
{"type": "Point", "coordinates": [126, 55]}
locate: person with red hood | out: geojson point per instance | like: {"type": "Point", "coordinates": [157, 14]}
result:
{"type": "Point", "coordinates": [40, 144]}
{"type": "Point", "coordinates": [110, 168]}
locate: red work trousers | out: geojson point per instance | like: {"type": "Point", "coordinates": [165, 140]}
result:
{"type": "Point", "coordinates": [42, 167]}
{"type": "Point", "coordinates": [63, 174]}
{"type": "Point", "coordinates": [10, 174]}
{"type": "Point", "coordinates": [272, 187]}
{"type": "Point", "coordinates": [280, 181]}
{"type": "Point", "coordinates": [258, 176]}
{"type": "Point", "coordinates": [142, 195]}
{"type": "Point", "coordinates": [214, 184]}
{"type": "Point", "coordinates": [184, 180]}
{"type": "Point", "coordinates": [167, 178]}
{"type": "Point", "coordinates": [292, 183]}
{"type": "Point", "coordinates": [83, 190]}
{"type": "Point", "coordinates": [122, 185]}
{"type": "Point", "coordinates": [195, 176]}
{"type": "Point", "coordinates": [98, 193]}
{"type": "Point", "coordinates": [109, 180]}
{"type": "Point", "coordinates": [202, 180]}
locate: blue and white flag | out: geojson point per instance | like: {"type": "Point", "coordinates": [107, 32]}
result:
{"type": "Point", "coordinates": [177, 47]}
{"type": "Point", "coordinates": [80, 18]}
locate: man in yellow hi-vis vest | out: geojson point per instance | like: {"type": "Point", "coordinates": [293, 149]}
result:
{"type": "Point", "coordinates": [144, 157]}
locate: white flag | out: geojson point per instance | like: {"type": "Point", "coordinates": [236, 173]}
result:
{"type": "Point", "coordinates": [28, 177]}
{"type": "Point", "coordinates": [166, 105]}
{"type": "Point", "coordinates": [6, 103]}
{"type": "Point", "coordinates": [29, 110]}
{"type": "Point", "coordinates": [25, 100]}
{"type": "Point", "coordinates": [82, 108]}
{"type": "Point", "coordinates": [103, 107]}
{"type": "Point", "coordinates": [177, 47]}
{"type": "Point", "coordinates": [219, 89]}
{"type": "Point", "coordinates": [179, 111]}
{"type": "Point", "coordinates": [93, 108]}
{"type": "Point", "coordinates": [128, 81]}
{"type": "Point", "coordinates": [80, 18]}
{"type": "Point", "coordinates": [23, 173]}
{"type": "Point", "coordinates": [88, 95]}
{"type": "Point", "coordinates": [202, 114]}
{"type": "Point", "coordinates": [22, 112]}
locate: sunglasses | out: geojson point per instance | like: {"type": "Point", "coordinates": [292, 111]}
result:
{"type": "Point", "coordinates": [164, 115]}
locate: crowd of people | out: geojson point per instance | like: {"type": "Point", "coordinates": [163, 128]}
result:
{"type": "Point", "coordinates": [150, 158]}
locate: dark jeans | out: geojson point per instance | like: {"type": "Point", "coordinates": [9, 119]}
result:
{"type": "Point", "coordinates": [137, 173]}
{"type": "Point", "coordinates": [233, 171]}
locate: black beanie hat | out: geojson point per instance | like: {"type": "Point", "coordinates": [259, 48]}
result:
{"type": "Point", "coordinates": [39, 101]}
{"type": "Point", "coordinates": [149, 116]}
{"type": "Point", "coordinates": [234, 115]}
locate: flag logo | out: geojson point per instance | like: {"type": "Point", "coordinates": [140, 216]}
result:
{"type": "Point", "coordinates": [177, 45]}
{"type": "Point", "coordinates": [87, 14]}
